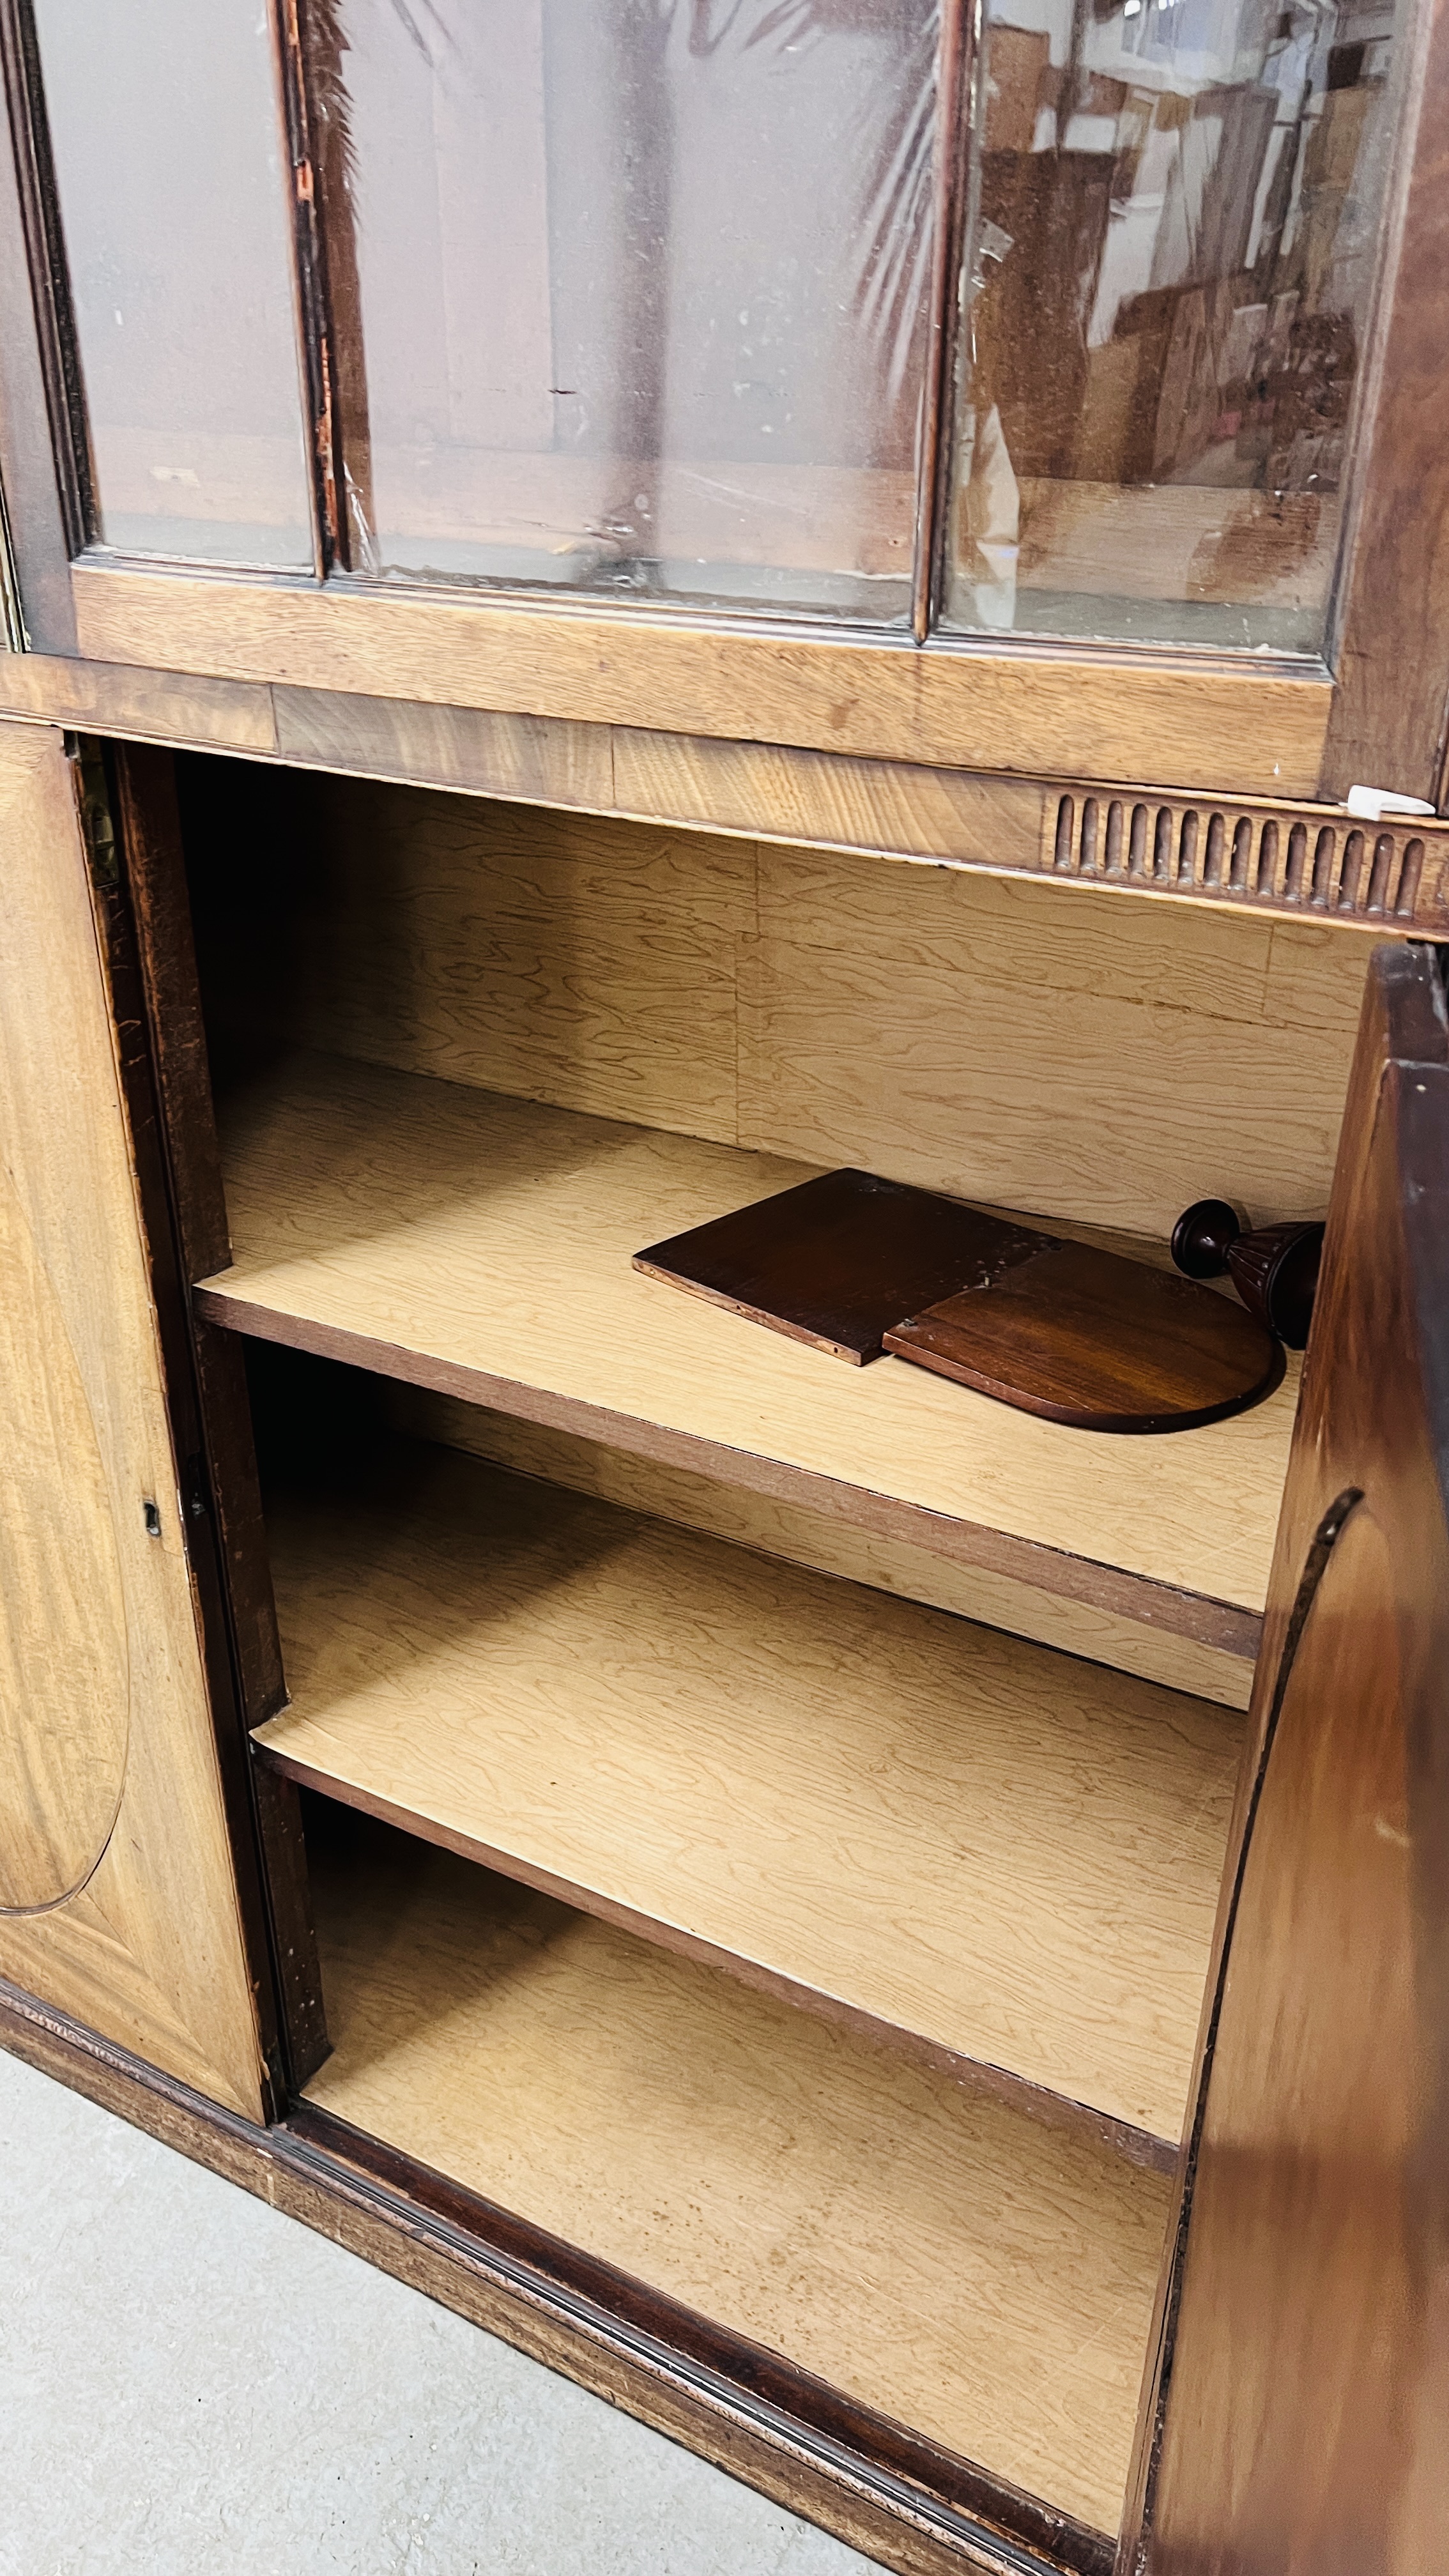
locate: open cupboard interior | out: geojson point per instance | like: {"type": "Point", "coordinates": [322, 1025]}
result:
{"type": "Point", "coordinates": [763, 1819]}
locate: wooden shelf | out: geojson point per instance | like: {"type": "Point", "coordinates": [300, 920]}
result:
{"type": "Point", "coordinates": [1001, 1855]}
{"type": "Point", "coordinates": [934, 2255]}
{"type": "Point", "coordinates": [481, 1246]}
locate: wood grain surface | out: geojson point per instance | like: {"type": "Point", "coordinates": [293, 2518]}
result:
{"type": "Point", "coordinates": [102, 1631]}
{"type": "Point", "coordinates": [1295, 2400]}
{"type": "Point", "coordinates": [1192, 724]}
{"type": "Point", "coordinates": [784, 794]}
{"type": "Point", "coordinates": [225, 715]}
{"type": "Point", "coordinates": [483, 1247]}
{"type": "Point", "coordinates": [1018, 1051]}
{"type": "Point", "coordinates": [1079, 1335]}
{"type": "Point", "coordinates": [839, 1261]}
{"type": "Point", "coordinates": [585, 961]}
{"type": "Point", "coordinates": [1003, 1854]}
{"type": "Point", "coordinates": [1008, 1041]}
{"type": "Point", "coordinates": [910, 1570]}
{"type": "Point", "coordinates": [65, 1666]}
{"type": "Point", "coordinates": [962, 2269]}
{"type": "Point", "coordinates": [971, 819]}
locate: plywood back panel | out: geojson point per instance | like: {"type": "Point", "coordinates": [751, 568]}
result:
{"type": "Point", "coordinates": [1019, 1042]}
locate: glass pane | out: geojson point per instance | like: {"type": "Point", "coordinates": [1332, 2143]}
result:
{"type": "Point", "coordinates": [165, 133]}
{"type": "Point", "coordinates": [632, 291]}
{"type": "Point", "coordinates": [1177, 207]}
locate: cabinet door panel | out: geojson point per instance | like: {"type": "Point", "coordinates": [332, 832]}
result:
{"type": "Point", "coordinates": [1297, 2421]}
{"type": "Point", "coordinates": [117, 1898]}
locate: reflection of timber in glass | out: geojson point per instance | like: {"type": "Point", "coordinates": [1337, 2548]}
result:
{"type": "Point", "coordinates": [632, 292]}
{"type": "Point", "coordinates": [1172, 259]}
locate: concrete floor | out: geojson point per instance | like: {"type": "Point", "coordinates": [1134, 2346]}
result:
{"type": "Point", "coordinates": [193, 2385]}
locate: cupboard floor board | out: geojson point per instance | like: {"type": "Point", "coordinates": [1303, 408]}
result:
{"type": "Point", "coordinates": [1002, 1853]}
{"type": "Point", "coordinates": [481, 1245]}
{"type": "Point", "coordinates": [958, 2267]}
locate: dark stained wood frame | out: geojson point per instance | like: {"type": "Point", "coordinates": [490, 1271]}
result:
{"type": "Point", "coordinates": [315, 338]}
{"type": "Point", "coordinates": [54, 320]}
{"type": "Point", "coordinates": [145, 939]}
{"type": "Point", "coordinates": [869, 2481]}
{"type": "Point", "coordinates": [948, 232]}
{"type": "Point", "coordinates": [47, 522]}
{"type": "Point", "coordinates": [1390, 646]}
{"type": "Point", "coordinates": [1372, 1430]}
{"type": "Point", "coordinates": [311, 46]}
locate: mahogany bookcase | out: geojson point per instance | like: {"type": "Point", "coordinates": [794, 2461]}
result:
{"type": "Point", "coordinates": [898, 1941]}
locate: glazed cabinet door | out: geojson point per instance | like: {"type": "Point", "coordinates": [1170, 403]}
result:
{"type": "Point", "coordinates": [1030, 389]}
{"type": "Point", "coordinates": [118, 1901]}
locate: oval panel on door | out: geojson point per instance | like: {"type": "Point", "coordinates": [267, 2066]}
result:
{"type": "Point", "coordinates": [64, 1661]}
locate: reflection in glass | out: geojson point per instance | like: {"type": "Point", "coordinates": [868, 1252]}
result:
{"type": "Point", "coordinates": [164, 131]}
{"type": "Point", "coordinates": [631, 292]}
{"type": "Point", "coordinates": [1175, 215]}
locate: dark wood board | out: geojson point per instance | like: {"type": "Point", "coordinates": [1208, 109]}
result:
{"type": "Point", "coordinates": [1086, 1338]}
{"type": "Point", "coordinates": [840, 1259]}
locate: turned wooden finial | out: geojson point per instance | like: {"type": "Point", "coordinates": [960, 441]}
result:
{"type": "Point", "coordinates": [1274, 1268]}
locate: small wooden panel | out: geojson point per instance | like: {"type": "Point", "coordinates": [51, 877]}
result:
{"type": "Point", "coordinates": [483, 1247]}
{"type": "Point", "coordinates": [910, 1570]}
{"type": "Point", "coordinates": [837, 1261]}
{"type": "Point", "coordinates": [827, 798]}
{"type": "Point", "coordinates": [162, 706]}
{"type": "Point", "coordinates": [965, 2271]}
{"type": "Point", "coordinates": [1192, 724]}
{"type": "Point", "coordinates": [546, 760]}
{"type": "Point", "coordinates": [1387, 722]}
{"type": "Point", "coordinates": [1001, 1855]}
{"type": "Point", "coordinates": [1081, 1336]}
